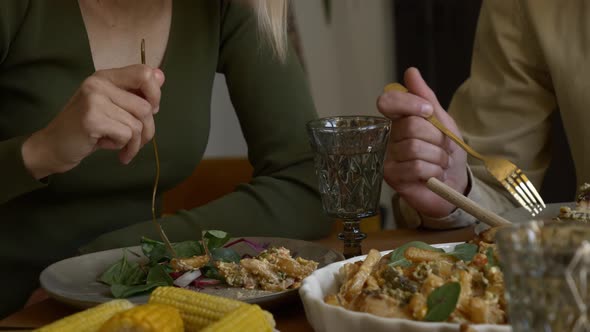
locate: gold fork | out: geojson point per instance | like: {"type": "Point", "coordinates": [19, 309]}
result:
{"type": "Point", "coordinates": [507, 173]}
{"type": "Point", "coordinates": [157, 179]}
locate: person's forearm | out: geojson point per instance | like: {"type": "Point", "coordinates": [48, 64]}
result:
{"type": "Point", "coordinates": [16, 178]}
{"type": "Point", "coordinates": [35, 157]}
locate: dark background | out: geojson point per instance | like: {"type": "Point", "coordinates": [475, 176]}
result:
{"type": "Point", "coordinates": [436, 36]}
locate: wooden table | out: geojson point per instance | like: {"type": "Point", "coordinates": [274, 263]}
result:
{"type": "Point", "coordinates": [290, 317]}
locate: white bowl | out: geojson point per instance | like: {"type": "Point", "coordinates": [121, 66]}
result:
{"type": "Point", "coordinates": [328, 318]}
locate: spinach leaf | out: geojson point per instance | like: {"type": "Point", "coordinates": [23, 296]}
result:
{"type": "Point", "coordinates": [464, 252]}
{"type": "Point", "coordinates": [157, 276]}
{"type": "Point", "coordinates": [442, 302]}
{"type": "Point", "coordinates": [225, 255]}
{"type": "Point", "coordinates": [188, 249]}
{"type": "Point", "coordinates": [123, 272]}
{"type": "Point", "coordinates": [397, 256]}
{"type": "Point", "coordinates": [491, 258]}
{"type": "Point", "coordinates": [129, 278]}
{"type": "Point", "coordinates": [157, 252]}
{"type": "Point", "coordinates": [215, 239]}
{"type": "Point", "coordinates": [211, 272]}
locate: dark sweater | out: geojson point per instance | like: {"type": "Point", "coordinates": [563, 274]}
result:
{"type": "Point", "coordinates": [44, 57]}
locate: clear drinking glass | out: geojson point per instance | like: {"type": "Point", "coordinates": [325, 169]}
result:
{"type": "Point", "coordinates": [546, 269]}
{"type": "Point", "coordinates": [349, 153]}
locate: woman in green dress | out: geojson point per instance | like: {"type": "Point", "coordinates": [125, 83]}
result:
{"type": "Point", "coordinates": [77, 113]}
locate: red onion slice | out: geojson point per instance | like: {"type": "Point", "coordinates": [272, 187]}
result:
{"type": "Point", "coordinates": [202, 282]}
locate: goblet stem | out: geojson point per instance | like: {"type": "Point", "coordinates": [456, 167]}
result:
{"type": "Point", "coordinates": [352, 237]}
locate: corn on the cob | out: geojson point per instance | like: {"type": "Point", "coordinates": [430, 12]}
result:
{"type": "Point", "coordinates": [248, 318]}
{"type": "Point", "coordinates": [197, 309]}
{"type": "Point", "coordinates": [151, 317]}
{"type": "Point", "coordinates": [89, 320]}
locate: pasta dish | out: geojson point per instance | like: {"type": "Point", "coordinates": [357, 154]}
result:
{"type": "Point", "coordinates": [419, 282]}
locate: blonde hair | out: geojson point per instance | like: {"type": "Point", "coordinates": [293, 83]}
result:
{"type": "Point", "coordinates": [272, 19]}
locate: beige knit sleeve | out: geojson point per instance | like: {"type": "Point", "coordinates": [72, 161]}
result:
{"type": "Point", "coordinates": [503, 109]}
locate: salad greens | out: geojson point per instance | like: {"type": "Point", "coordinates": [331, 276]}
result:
{"type": "Point", "coordinates": [124, 272]}
{"type": "Point", "coordinates": [157, 252]}
{"type": "Point", "coordinates": [157, 276]}
{"type": "Point", "coordinates": [127, 278]}
{"type": "Point", "coordinates": [215, 239]}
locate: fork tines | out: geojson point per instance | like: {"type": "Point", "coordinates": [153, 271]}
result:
{"type": "Point", "coordinates": [524, 192]}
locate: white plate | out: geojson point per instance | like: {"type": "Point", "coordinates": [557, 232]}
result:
{"type": "Point", "coordinates": [328, 318]}
{"type": "Point", "coordinates": [73, 280]}
{"type": "Point", "coordinates": [521, 215]}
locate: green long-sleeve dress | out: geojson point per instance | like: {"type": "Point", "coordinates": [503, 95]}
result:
{"type": "Point", "coordinates": [45, 55]}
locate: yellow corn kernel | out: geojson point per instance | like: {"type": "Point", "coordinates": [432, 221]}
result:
{"type": "Point", "coordinates": [89, 320]}
{"type": "Point", "coordinates": [248, 318]}
{"type": "Point", "coordinates": [196, 309]}
{"type": "Point", "coordinates": [152, 317]}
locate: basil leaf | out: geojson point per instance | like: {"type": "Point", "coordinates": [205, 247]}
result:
{"type": "Point", "coordinates": [442, 302]}
{"type": "Point", "coordinates": [215, 239]}
{"type": "Point", "coordinates": [397, 256]}
{"type": "Point", "coordinates": [123, 272]}
{"type": "Point", "coordinates": [225, 255]}
{"type": "Point", "coordinates": [464, 251]}
{"type": "Point", "coordinates": [491, 258]}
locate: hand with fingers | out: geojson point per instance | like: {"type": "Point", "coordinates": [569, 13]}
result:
{"type": "Point", "coordinates": [113, 109]}
{"type": "Point", "coordinates": [417, 150]}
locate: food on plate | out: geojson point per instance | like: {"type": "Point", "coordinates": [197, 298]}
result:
{"type": "Point", "coordinates": [581, 212]}
{"type": "Point", "coordinates": [273, 269]}
{"type": "Point", "coordinates": [189, 263]}
{"type": "Point", "coordinates": [419, 282]}
{"type": "Point", "coordinates": [170, 309]}
{"type": "Point", "coordinates": [207, 263]}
